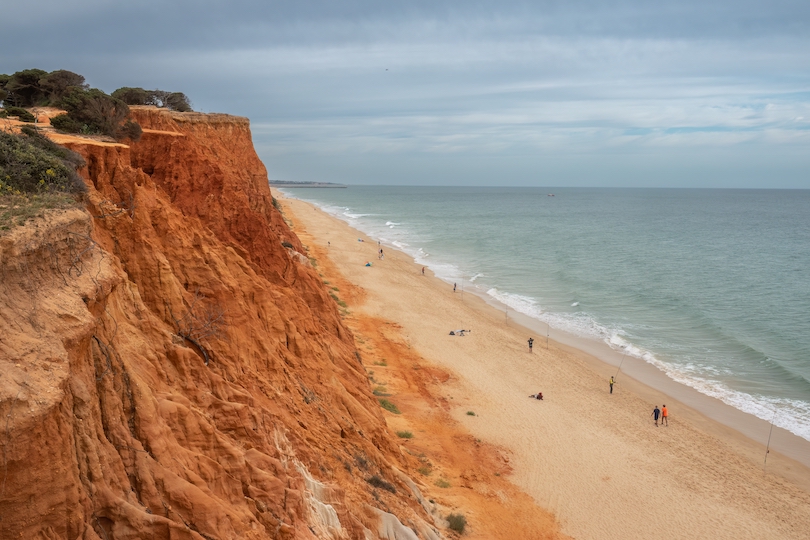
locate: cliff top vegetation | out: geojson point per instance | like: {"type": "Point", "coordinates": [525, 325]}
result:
{"type": "Point", "coordinates": [35, 175]}
{"type": "Point", "coordinates": [89, 111]}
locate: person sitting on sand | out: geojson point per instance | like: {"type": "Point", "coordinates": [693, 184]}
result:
{"type": "Point", "coordinates": [538, 395]}
{"type": "Point", "coordinates": [368, 263]}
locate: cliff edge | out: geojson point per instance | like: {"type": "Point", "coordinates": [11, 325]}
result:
{"type": "Point", "coordinates": [172, 366]}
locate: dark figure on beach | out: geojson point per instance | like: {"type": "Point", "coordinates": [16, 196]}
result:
{"type": "Point", "coordinates": [538, 395]}
{"type": "Point", "coordinates": [612, 382]}
{"type": "Point", "coordinates": [531, 342]}
{"type": "Point", "coordinates": [454, 287]}
{"type": "Point", "coordinates": [664, 416]}
{"type": "Point", "coordinates": [423, 270]}
{"type": "Point", "coordinates": [655, 414]}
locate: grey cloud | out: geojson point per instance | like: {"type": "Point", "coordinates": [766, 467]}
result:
{"type": "Point", "coordinates": [590, 91]}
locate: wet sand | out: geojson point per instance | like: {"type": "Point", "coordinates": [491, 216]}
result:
{"type": "Point", "coordinates": [594, 459]}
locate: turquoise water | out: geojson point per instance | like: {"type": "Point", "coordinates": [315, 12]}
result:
{"type": "Point", "coordinates": [710, 286]}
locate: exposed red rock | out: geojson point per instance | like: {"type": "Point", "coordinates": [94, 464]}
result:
{"type": "Point", "coordinates": [172, 366]}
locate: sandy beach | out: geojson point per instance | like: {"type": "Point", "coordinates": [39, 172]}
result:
{"type": "Point", "coordinates": [593, 459]}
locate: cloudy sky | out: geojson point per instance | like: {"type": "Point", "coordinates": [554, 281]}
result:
{"type": "Point", "coordinates": [701, 93]}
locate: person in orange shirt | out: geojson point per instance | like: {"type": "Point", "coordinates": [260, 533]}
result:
{"type": "Point", "coordinates": [664, 416]}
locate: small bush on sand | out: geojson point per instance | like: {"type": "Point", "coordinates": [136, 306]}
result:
{"type": "Point", "coordinates": [388, 406]}
{"type": "Point", "coordinates": [457, 522]}
{"type": "Point", "coordinates": [20, 113]}
{"type": "Point", "coordinates": [470, 413]}
{"type": "Point", "coordinates": [442, 483]}
{"type": "Point", "coordinates": [404, 434]}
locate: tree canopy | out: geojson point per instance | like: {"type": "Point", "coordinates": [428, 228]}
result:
{"type": "Point", "coordinates": [88, 110]}
{"type": "Point", "coordinates": [176, 101]}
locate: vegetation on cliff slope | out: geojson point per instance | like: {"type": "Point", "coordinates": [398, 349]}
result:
{"type": "Point", "coordinates": [35, 174]}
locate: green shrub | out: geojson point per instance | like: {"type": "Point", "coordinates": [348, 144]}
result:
{"type": "Point", "coordinates": [29, 163]}
{"type": "Point", "coordinates": [65, 123]}
{"type": "Point", "coordinates": [388, 406]}
{"type": "Point", "coordinates": [470, 413]}
{"type": "Point", "coordinates": [96, 110]}
{"type": "Point", "coordinates": [442, 483]}
{"type": "Point", "coordinates": [34, 137]}
{"type": "Point", "coordinates": [404, 434]}
{"type": "Point", "coordinates": [20, 113]}
{"type": "Point", "coordinates": [425, 470]}
{"type": "Point", "coordinates": [457, 522]}
{"type": "Point", "coordinates": [340, 302]}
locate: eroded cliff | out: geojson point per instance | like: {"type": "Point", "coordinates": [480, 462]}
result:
{"type": "Point", "coordinates": [172, 367]}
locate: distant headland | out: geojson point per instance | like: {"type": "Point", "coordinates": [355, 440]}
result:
{"type": "Point", "coordinates": [284, 183]}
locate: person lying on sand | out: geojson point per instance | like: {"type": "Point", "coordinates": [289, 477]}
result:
{"type": "Point", "coordinates": [538, 395]}
{"type": "Point", "coordinates": [459, 332]}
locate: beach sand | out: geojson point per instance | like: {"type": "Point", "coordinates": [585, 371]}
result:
{"type": "Point", "coordinates": [593, 459]}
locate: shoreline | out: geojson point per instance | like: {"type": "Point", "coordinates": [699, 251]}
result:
{"type": "Point", "coordinates": [654, 380]}
{"type": "Point", "coordinates": [580, 378]}
{"type": "Point", "coordinates": [702, 406]}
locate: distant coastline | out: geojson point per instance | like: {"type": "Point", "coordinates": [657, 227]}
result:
{"type": "Point", "coordinates": [285, 184]}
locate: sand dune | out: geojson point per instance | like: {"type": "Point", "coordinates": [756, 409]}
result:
{"type": "Point", "coordinates": [594, 459]}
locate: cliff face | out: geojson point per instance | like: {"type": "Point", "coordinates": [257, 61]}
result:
{"type": "Point", "coordinates": [170, 369]}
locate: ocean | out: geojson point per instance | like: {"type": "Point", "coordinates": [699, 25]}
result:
{"type": "Point", "coordinates": [712, 287]}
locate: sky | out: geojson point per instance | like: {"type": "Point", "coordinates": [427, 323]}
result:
{"type": "Point", "coordinates": [622, 93]}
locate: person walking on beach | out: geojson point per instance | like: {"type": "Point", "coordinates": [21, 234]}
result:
{"type": "Point", "coordinates": [531, 342]}
{"type": "Point", "coordinates": [612, 382]}
{"type": "Point", "coordinates": [423, 270]}
{"type": "Point", "coordinates": [664, 416]}
{"type": "Point", "coordinates": [656, 412]}
{"type": "Point", "coordinates": [454, 287]}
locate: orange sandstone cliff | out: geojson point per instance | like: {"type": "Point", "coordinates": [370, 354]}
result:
{"type": "Point", "coordinates": [172, 367]}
